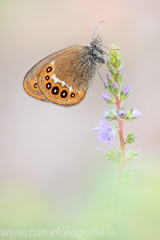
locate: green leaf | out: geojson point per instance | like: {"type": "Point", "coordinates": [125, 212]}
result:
{"type": "Point", "coordinates": [130, 138]}
{"type": "Point", "coordinates": [129, 113]}
{"type": "Point", "coordinates": [122, 95]}
{"type": "Point", "coordinates": [110, 89]}
{"type": "Point", "coordinates": [115, 157]}
{"type": "Point", "coordinates": [115, 90]}
{"type": "Point", "coordinates": [111, 81]}
{"type": "Point", "coordinates": [131, 155]}
{"type": "Point", "coordinates": [126, 96]}
{"type": "Point", "coordinates": [113, 113]}
{"type": "Point", "coordinates": [111, 155]}
{"type": "Point", "coordinates": [120, 79]}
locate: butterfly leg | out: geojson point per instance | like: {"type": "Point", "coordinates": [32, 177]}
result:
{"type": "Point", "coordinates": [101, 79]}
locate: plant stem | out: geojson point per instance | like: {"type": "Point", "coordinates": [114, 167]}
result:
{"type": "Point", "coordinates": [122, 146]}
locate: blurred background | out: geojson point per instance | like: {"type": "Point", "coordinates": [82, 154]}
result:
{"type": "Point", "coordinates": [51, 175]}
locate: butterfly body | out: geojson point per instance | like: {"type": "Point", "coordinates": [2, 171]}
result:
{"type": "Point", "coordinates": [64, 77]}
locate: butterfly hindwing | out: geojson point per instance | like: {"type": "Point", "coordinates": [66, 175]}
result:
{"type": "Point", "coordinates": [59, 81]}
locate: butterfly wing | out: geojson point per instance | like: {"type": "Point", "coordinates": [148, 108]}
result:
{"type": "Point", "coordinates": [30, 82]}
{"type": "Point", "coordinates": [63, 77]}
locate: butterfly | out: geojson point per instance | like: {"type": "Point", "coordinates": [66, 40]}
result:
{"type": "Point", "coordinates": [64, 77]}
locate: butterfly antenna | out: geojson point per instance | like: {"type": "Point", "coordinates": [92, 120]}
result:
{"type": "Point", "coordinates": [96, 28]}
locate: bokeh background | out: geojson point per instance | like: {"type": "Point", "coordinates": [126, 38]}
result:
{"type": "Point", "coordinates": [51, 175]}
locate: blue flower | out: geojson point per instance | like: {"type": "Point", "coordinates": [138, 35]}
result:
{"type": "Point", "coordinates": [105, 133]}
{"type": "Point", "coordinates": [109, 76]}
{"type": "Point", "coordinates": [136, 114]}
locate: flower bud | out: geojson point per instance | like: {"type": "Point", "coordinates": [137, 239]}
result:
{"type": "Point", "coordinates": [121, 113]}
{"type": "Point", "coordinates": [120, 71]}
{"type": "Point", "coordinates": [106, 114]}
{"type": "Point", "coordinates": [106, 83]}
{"type": "Point", "coordinates": [118, 63]}
{"type": "Point", "coordinates": [116, 55]}
{"type": "Point", "coordinates": [115, 85]}
{"type": "Point", "coordinates": [106, 97]}
{"type": "Point", "coordinates": [115, 88]}
{"type": "Point", "coordinates": [136, 114]}
{"type": "Point", "coordinates": [109, 77]}
{"type": "Point", "coordinates": [112, 60]}
{"type": "Point", "coordinates": [125, 93]}
{"type": "Point", "coordinates": [111, 51]}
{"type": "Point", "coordinates": [126, 90]}
{"type": "Point", "coordinates": [113, 46]}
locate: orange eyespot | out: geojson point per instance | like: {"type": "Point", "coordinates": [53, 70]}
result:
{"type": "Point", "coordinates": [47, 77]}
{"type": "Point", "coordinates": [55, 90]}
{"type": "Point", "coordinates": [73, 95]}
{"type": "Point", "coordinates": [64, 93]}
{"type": "Point", "coordinates": [31, 87]}
{"type": "Point", "coordinates": [48, 85]}
{"type": "Point", "coordinates": [49, 69]}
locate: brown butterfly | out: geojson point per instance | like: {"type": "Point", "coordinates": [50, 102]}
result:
{"type": "Point", "coordinates": [64, 77]}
